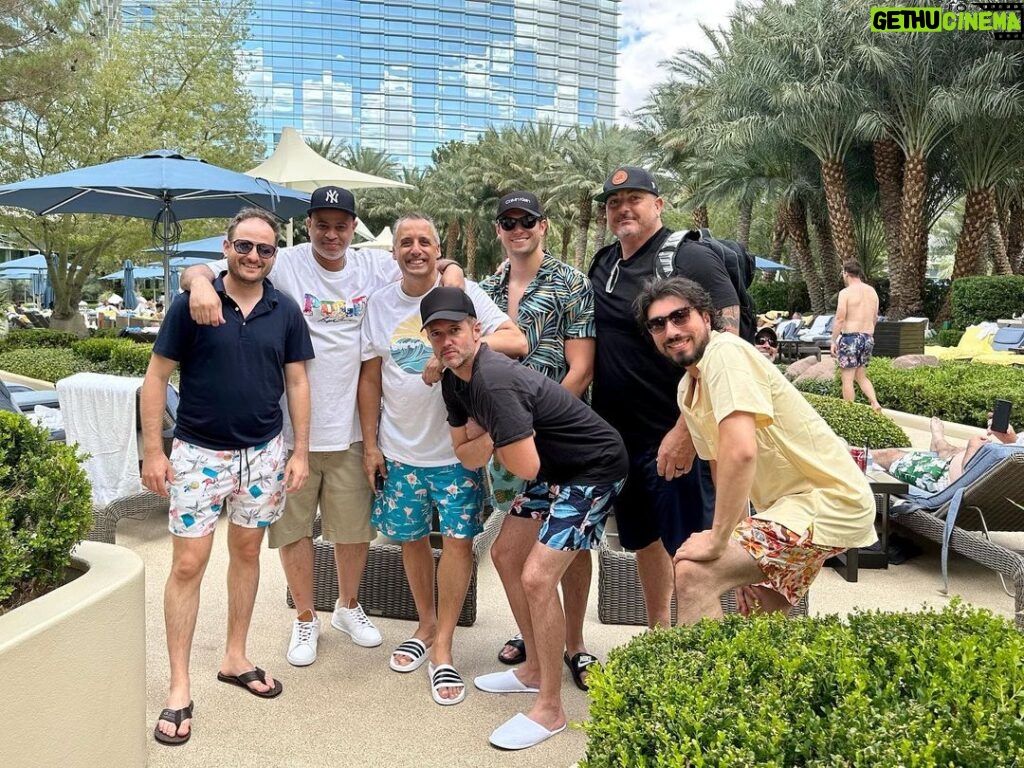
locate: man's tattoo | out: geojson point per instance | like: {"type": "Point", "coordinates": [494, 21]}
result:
{"type": "Point", "coordinates": [730, 323]}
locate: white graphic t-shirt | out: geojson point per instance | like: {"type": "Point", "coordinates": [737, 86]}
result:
{"type": "Point", "coordinates": [413, 427]}
{"type": "Point", "coordinates": [334, 304]}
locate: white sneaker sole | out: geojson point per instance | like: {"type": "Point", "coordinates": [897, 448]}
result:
{"type": "Point", "coordinates": [356, 640]}
{"type": "Point", "coordinates": [289, 659]}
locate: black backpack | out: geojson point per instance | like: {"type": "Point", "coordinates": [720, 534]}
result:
{"type": "Point", "coordinates": [737, 260]}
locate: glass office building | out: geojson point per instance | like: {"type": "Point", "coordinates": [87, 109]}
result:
{"type": "Point", "coordinates": [404, 77]}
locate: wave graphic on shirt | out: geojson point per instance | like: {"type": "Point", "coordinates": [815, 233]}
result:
{"type": "Point", "coordinates": [333, 310]}
{"type": "Point", "coordinates": [409, 347]}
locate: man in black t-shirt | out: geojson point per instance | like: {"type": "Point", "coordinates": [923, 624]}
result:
{"type": "Point", "coordinates": [664, 501]}
{"type": "Point", "coordinates": [575, 465]}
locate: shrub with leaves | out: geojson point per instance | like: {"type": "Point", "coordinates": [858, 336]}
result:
{"type": "Point", "coordinates": [903, 689]}
{"type": "Point", "coordinates": [130, 359]}
{"type": "Point", "coordinates": [979, 299]}
{"type": "Point", "coordinates": [45, 509]}
{"type": "Point", "coordinates": [31, 338]}
{"type": "Point", "coordinates": [857, 424]}
{"type": "Point", "coordinates": [43, 363]}
{"type": "Point", "coordinates": [99, 350]}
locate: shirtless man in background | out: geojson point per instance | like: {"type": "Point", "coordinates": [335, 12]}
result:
{"type": "Point", "coordinates": [853, 333]}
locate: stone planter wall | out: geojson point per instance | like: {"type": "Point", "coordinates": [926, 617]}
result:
{"type": "Point", "coordinates": [73, 668]}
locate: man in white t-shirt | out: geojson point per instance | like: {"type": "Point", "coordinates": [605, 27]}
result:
{"type": "Point", "coordinates": [331, 282]}
{"type": "Point", "coordinates": [409, 457]}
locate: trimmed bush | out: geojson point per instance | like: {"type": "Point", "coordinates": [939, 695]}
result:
{"type": "Point", "coordinates": [948, 337]}
{"type": "Point", "coordinates": [790, 296]}
{"type": "Point", "coordinates": [37, 337]}
{"type": "Point", "coordinates": [105, 333]}
{"type": "Point", "coordinates": [979, 299]}
{"type": "Point", "coordinates": [130, 359]}
{"type": "Point", "coordinates": [857, 424]}
{"type": "Point", "coordinates": [99, 350]}
{"type": "Point", "coordinates": [43, 363]}
{"type": "Point", "coordinates": [45, 509]}
{"type": "Point", "coordinates": [956, 391]}
{"type": "Point", "coordinates": [902, 689]}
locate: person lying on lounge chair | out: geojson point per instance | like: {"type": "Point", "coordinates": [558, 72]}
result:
{"type": "Point", "coordinates": [935, 469]}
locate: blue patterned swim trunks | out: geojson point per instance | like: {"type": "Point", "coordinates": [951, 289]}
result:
{"type": "Point", "coordinates": [403, 511]}
{"type": "Point", "coordinates": [853, 350]}
{"type": "Point", "coordinates": [572, 516]}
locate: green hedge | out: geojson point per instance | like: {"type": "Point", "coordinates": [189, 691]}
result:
{"type": "Point", "coordinates": [956, 391]}
{"type": "Point", "coordinates": [857, 424]}
{"type": "Point", "coordinates": [45, 364]}
{"type": "Point", "coordinates": [99, 350]}
{"type": "Point", "coordinates": [903, 689]}
{"type": "Point", "coordinates": [45, 509]}
{"type": "Point", "coordinates": [779, 295]}
{"type": "Point", "coordinates": [978, 299]}
{"type": "Point", "coordinates": [948, 337]}
{"type": "Point", "coordinates": [130, 359]}
{"type": "Point", "coordinates": [36, 337]}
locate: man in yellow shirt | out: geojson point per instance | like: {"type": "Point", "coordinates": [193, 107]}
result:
{"type": "Point", "coordinates": [767, 447]}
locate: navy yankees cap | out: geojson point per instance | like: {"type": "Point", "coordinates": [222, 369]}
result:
{"type": "Point", "coordinates": [335, 198]}
{"type": "Point", "coordinates": [628, 177]}
{"type": "Point", "coordinates": [524, 201]}
{"type": "Point", "coordinates": [445, 303]}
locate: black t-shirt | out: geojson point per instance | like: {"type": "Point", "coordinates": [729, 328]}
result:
{"type": "Point", "coordinates": [511, 401]}
{"type": "Point", "coordinates": [634, 384]}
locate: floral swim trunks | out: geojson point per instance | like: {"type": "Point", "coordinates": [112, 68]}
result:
{"type": "Point", "coordinates": [922, 470]}
{"type": "Point", "coordinates": [853, 350]}
{"type": "Point", "coordinates": [789, 560]}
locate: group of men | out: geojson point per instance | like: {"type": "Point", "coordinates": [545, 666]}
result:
{"type": "Point", "coordinates": [378, 353]}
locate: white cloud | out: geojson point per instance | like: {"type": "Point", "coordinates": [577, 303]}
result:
{"type": "Point", "coordinates": [651, 31]}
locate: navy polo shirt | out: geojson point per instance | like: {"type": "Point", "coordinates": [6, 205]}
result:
{"type": "Point", "coordinates": [232, 375]}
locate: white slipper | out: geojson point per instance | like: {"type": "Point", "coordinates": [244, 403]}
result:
{"type": "Point", "coordinates": [503, 682]}
{"type": "Point", "coordinates": [445, 676]}
{"type": "Point", "coordinates": [520, 733]}
{"type": "Point", "coordinates": [415, 649]}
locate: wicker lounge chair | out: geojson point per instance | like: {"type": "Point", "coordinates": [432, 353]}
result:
{"type": "Point", "coordinates": [983, 502]}
{"type": "Point", "coordinates": [136, 506]}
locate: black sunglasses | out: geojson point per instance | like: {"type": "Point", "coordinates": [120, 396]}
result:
{"type": "Point", "coordinates": [508, 223]}
{"type": "Point", "coordinates": [263, 250]}
{"type": "Point", "coordinates": [766, 340]}
{"type": "Point", "coordinates": [678, 318]}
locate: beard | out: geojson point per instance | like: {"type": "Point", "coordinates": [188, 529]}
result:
{"type": "Point", "coordinates": [686, 359]}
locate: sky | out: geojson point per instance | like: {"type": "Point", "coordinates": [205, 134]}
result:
{"type": "Point", "coordinates": [651, 31]}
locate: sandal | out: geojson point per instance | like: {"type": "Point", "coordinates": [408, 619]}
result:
{"type": "Point", "coordinates": [578, 666]}
{"type": "Point", "coordinates": [445, 676]}
{"type": "Point", "coordinates": [520, 651]}
{"type": "Point", "coordinates": [253, 675]}
{"type": "Point", "coordinates": [415, 649]}
{"type": "Point", "coordinates": [176, 716]}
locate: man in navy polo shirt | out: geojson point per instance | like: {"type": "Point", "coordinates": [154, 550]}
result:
{"type": "Point", "coordinates": [228, 449]}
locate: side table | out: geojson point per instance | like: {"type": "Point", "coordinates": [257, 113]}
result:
{"type": "Point", "coordinates": [883, 486]}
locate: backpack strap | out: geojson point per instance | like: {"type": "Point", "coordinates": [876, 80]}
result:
{"type": "Point", "coordinates": [665, 261]}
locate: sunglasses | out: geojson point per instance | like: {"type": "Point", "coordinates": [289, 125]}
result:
{"type": "Point", "coordinates": [766, 340]}
{"type": "Point", "coordinates": [263, 250]}
{"type": "Point", "coordinates": [678, 318]}
{"type": "Point", "coordinates": [508, 223]}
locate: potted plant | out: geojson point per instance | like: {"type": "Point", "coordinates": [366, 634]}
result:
{"type": "Point", "coordinates": [72, 618]}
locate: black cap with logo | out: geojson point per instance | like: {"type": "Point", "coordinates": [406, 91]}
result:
{"type": "Point", "coordinates": [446, 304]}
{"type": "Point", "coordinates": [334, 198]}
{"type": "Point", "coordinates": [628, 177]}
{"type": "Point", "coordinates": [523, 201]}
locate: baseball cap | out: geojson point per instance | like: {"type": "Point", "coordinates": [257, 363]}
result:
{"type": "Point", "coordinates": [627, 177]}
{"type": "Point", "coordinates": [335, 198]}
{"type": "Point", "coordinates": [446, 304]}
{"type": "Point", "coordinates": [524, 201]}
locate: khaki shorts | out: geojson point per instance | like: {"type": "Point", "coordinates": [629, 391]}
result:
{"type": "Point", "coordinates": [337, 485]}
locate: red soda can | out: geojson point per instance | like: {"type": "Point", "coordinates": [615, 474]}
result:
{"type": "Point", "coordinates": [860, 458]}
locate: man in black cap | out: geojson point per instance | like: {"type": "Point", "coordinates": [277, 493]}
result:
{"type": "Point", "coordinates": [553, 304]}
{"type": "Point", "coordinates": [767, 343]}
{"type": "Point", "coordinates": [664, 500]}
{"type": "Point", "coordinates": [331, 283]}
{"type": "Point", "coordinates": [573, 463]}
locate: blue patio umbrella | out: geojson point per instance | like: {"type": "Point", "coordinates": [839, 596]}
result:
{"type": "Point", "coordinates": [39, 285]}
{"type": "Point", "coordinates": [36, 262]}
{"type": "Point", "coordinates": [197, 251]}
{"type": "Point", "coordinates": [175, 289]}
{"type": "Point", "coordinates": [163, 186]}
{"type": "Point", "coordinates": [762, 263]}
{"type": "Point", "coordinates": [147, 272]}
{"type": "Point", "coordinates": [130, 302]}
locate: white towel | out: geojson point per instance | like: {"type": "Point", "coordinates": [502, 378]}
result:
{"type": "Point", "coordinates": [99, 415]}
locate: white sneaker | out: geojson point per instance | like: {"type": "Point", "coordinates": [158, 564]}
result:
{"type": "Point", "coordinates": [302, 647]}
{"type": "Point", "coordinates": [355, 624]}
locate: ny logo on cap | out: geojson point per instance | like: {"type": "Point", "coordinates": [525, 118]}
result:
{"type": "Point", "coordinates": [332, 196]}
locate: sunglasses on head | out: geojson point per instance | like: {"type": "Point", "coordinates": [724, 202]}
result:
{"type": "Point", "coordinates": [678, 318]}
{"type": "Point", "coordinates": [766, 340]}
{"type": "Point", "coordinates": [508, 223]}
{"type": "Point", "coordinates": [263, 250]}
